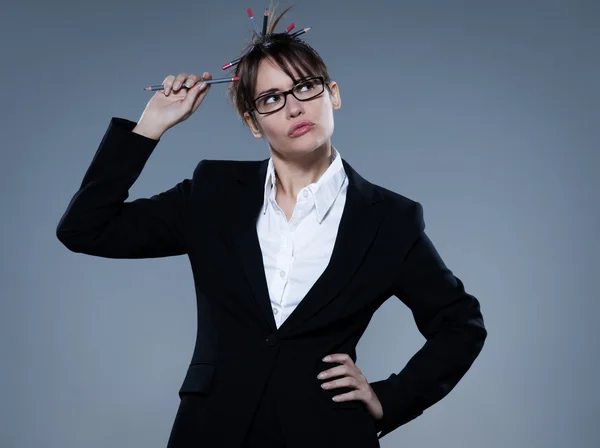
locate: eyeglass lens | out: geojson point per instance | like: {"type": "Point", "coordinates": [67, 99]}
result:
{"type": "Point", "coordinates": [304, 91]}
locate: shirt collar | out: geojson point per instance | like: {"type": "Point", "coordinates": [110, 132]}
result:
{"type": "Point", "coordinates": [324, 191]}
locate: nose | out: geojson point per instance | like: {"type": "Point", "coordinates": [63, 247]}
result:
{"type": "Point", "coordinates": [293, 107]}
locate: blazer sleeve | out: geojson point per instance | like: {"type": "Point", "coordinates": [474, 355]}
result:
{"type": "Point", "coordinates": [447, 316]}
{"type": "Point", "coordinates": [99, 221]}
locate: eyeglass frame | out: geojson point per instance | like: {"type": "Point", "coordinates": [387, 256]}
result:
{"type": "Point", "coordinates": [286, 93]}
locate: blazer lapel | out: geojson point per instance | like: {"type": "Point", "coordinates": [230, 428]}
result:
{"type": "Point", "coordinates": [360, 221]}
{"type": "Point", "coordinates": [245, 202]}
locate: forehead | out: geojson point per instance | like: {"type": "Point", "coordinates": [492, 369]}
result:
{"type": "Point", "coordinates": [271, 75]}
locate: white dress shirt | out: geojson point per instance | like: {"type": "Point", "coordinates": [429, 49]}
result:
{"type": "Point", "coordinates": [296, 253]}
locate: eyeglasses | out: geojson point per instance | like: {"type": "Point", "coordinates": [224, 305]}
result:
{"type": "Point", "coordinates": [305, 90]}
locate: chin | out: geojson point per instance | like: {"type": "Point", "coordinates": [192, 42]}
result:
{"type": "Point", "coordinates": [302, 145]}
{"type": "Point", "coordinates": [296, 151]}
{"type": "Point", "coordinates": [305, 145]}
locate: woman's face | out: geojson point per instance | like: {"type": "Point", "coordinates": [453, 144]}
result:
{"type": "Point", "coordinates": [276, 126]}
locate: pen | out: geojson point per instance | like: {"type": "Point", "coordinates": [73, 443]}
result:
{"type": "Point", "coordinates": [231, 64]}
{"type": "Point", "coordinates": [302, 31]}
{"type": "Point", "coordinates": [265, 21]}
{"type": "Point", "coordinates": [207, 81]}
{"type": "Point", "coordinates": [251, 16]}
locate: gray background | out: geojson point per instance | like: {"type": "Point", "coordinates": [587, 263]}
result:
{"type": "Point", "coordinates": [485, 112]}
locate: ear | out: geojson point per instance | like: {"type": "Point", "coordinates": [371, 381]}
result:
{"type": "Point", "coordinates": [334, 94]}
{"type": "Point", "coordinates": [253, 125]}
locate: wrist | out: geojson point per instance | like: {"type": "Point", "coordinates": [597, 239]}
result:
{"type": "Point", "coordinates": [149, 132]}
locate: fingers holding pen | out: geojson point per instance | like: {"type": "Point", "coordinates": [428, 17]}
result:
{"type": "Point", "coordinates": [168, 84]}
{"type": "Point", "coordinates": [192, 80]}
{"type": "Point", "coordinates": [176, 83]}
{"type": "Point", "coordinates": [197, 92]}
{"type": "Point", "coordinates": [206, 76]}
{"type": "Point", "coordinates": [173, 83]}
{"type": "Point", "coordinates": [179, 80]}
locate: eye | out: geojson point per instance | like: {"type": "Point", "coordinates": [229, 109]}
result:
{"type": "Point", "coordinates": [307, 85]}
{"type": "Point", "coordinates": [270, 99]}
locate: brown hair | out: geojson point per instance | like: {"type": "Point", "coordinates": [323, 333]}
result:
{"type": "Point", "coordinates": [283, 49]}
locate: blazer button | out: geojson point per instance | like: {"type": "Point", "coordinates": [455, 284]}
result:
{"type": "Point", "coordinates": [272, 340]}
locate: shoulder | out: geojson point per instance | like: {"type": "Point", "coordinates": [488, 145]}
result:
{"type": "Point", "coordinates": [396, 200]}
{"type": "Point", "coordinates": [400, 209]}
{"type": "Point", "coordinates": [219, 173]}
{"type": "Point", "coordinates": [403, 208]}
{"type": "Point", "coordinates": [214, 178]}
{"type": "Point", "coordinates": [398, 206]}
{"type": "Point", "coordinates": [231, 168]}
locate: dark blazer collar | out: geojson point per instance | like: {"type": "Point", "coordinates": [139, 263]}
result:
{"type": "Point", "coordinates": [360, 221]}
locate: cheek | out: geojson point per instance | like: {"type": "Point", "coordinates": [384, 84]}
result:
{"type": "Point", "coordinates": [272, 126]}
{"type": "Point", "coordinates": [326, 121]}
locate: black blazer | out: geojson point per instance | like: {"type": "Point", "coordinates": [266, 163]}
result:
{"type": "Point", "coordinates": [381, 250]}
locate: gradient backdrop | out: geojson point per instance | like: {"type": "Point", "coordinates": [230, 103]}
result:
{"type": "Point", "coordinates": [485, 112]}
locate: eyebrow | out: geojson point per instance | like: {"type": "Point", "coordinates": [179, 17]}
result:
{"type": "Point", "coordinates": [273, 90]}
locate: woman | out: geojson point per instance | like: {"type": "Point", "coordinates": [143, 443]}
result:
{"type": "Point", "coordinates": [291, 257]}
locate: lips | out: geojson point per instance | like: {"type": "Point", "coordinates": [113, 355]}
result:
{"type": "Point", "coordinates": [300, 128]}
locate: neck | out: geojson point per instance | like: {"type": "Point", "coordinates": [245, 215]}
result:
{"type": "Point", "coordinates": [293, 174]}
